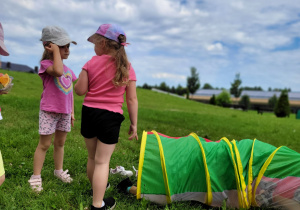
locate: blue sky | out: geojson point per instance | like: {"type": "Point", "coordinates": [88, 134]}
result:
{"type": "Point", "coordinates": [260, 39]}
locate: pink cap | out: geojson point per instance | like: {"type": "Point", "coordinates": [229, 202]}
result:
{"type": "Point", "coordinates": [110, 31]}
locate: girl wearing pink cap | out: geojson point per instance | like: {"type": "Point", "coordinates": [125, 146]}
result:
{"type": "Point", "coordinates": [104, 79]}
{"type": "Point", "coordinates": [57, 104]}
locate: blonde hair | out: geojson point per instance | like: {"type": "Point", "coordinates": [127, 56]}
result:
{"type": "Point", "coordinates": [119, 56]}
{"type": "Point", "coordinates": [46, 55]}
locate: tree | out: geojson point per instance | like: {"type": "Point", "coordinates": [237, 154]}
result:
{"type": "Point", "coordinates": [280, 89]}
{"type": "Point", "coordinates": [8, 65]}
{"type": "Point", "coordinates": [213, 100]}
{"type": "Point", "coordinates": [245, 102]}
{"type": "Point", "coordinates": [173, 90]}
{"type": "Point", "coordinates": [193, 83]}
{"type": "Point", "coordinates": [223, 98]}
{"type": "Point", "coordinates": [207, 86]}
{"type": "Point", "coordinates": [252, 88]}
{"type": "Point", "coordinates": [180, 90]}
{"type": "Point", "coordinates": [282, 108]}
{"type": "Point", "coordinates": [235, 90]}
{"type": "Point", "coordinates": [272, 101]}
{"type": "Point", "coordinates": [146, 86]}
{"type": "Point", "coordinates": [163, 86]}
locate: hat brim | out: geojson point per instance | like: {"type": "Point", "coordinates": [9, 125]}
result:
{"type": "Point", "coordinates": [3, 50]}
{"type": "Point", "coordinates": [63, 43]}
{"type": "Point", "coordinates": [60, 42]}
{"type": "Point", "coordinates": [92, 38]}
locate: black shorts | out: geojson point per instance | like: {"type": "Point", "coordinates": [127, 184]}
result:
{"type": "Point", "coordinates": [101, 123]}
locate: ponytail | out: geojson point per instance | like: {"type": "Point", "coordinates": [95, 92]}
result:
{"type": "Point", "coordinates": [122, 64]}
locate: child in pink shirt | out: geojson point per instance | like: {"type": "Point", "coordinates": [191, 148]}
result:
{"type": "Point", "coordinates": [57, 104]}
{"type": "Point", "coordinates": [103, 80]}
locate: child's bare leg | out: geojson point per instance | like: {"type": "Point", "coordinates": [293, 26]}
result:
{"type": "Point", "coordinates": [58, 153]}
{"type": "Point", "coordinates": [102, 159]}
{"type": "Point", "coordinates": [91, 145]}
{"type": "Point", "coordinates": [40, 153]}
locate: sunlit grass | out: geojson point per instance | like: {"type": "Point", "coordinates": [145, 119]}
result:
{"type": "Point", "coordinates": [166, 114]}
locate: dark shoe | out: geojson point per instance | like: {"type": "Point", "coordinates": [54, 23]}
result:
{"type": "Point", "coordinates": [110, 203]}
{"type": "Point", "coordinates": [107, 186]}
{"type": "Point", "coordinates": [123, 185]}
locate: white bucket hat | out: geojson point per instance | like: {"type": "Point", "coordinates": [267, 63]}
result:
{"type": "Point", "coordinates": [3, 50]}
{"type": "Point", "coordinates": [56, 35]}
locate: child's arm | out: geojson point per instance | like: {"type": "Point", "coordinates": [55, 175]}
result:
{"type": "Point", "coordinates": [57, 70]}
{"type": "Point", "coordinates": [81, 87]}
{"type": "Point", "coordinates": [132, 106]}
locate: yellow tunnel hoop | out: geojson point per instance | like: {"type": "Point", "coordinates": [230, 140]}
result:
{"type": "Point", "coordinates": [208, 183]}
{"type": "Point", "coordinates": [163, 167]}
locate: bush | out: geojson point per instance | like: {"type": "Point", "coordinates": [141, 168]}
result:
{"type": "Point", "coordinates": [272, 101]}
{"type": "Point", "coordinates": [223, 98]}
{"type": "Point", "coordinates": [282, 108]}
{"type": "Point", "coordinates": [146, 86]}
{"type": "Point", "coordinates": [245, 102]}
{"type": "Point", "coordinates": [213, 100]}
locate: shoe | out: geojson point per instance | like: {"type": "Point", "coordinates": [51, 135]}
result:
{"type": "Point", "coordinates": [136, 171]}
{"type": "Point", "coordinates": [64, 176]}
{"type": "Point", "coordinates": [110, 203]}
{"type": "Point", "coordinates": [107, 186]}
{"type": "Point", "coordinates": [36, 184]}
{"type": "Point", "coordinates": [123, 185]}
{"type": "Point", "coordinates": [121, 170]}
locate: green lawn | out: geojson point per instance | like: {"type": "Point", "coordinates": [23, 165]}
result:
{"type": "Point", "coordinates": [166, 114]}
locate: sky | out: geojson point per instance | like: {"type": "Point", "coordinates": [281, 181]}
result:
{"type": "Point", "coordinates": [258, 39]}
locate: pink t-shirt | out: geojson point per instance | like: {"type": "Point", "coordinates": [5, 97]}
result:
{"type": "Point", "coordinates": [102, 93]}
{"type": "Point", "coordinates": [57, 93]}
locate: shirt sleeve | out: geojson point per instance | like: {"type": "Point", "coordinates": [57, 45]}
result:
{"type": "Point", "coordinates": [85, 67]}
{"type": "Point", "coordinates": [44, 65]}
{"type": "Point", "coordinates": [132, 75]}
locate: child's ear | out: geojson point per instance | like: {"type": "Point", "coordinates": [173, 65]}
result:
{"type": "Point", "coordinates": [103, 43]}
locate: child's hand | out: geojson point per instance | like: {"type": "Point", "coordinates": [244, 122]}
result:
{"type": "Point", "coordinates": [51, 47]}
{"type": "Point", "coordinates": [133, 132]}
{"type": "Point", "coordinates": [2, 92]}
{"type": "Point", "coordinates": [72, 120]}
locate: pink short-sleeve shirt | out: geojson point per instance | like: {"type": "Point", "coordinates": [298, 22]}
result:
{"type": "Point", "coordinates": [102, 93]}
{"type": "Point", "coordinates": [57, 93]}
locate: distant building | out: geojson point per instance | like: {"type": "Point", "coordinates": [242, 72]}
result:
{"type": "Point", "coordinates": [18, 67]}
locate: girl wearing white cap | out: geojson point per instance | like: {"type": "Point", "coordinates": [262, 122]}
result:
{"type": "Point", "coordinates": [103, 80]}
{"type": "Point", "coordinates": [57, 104]}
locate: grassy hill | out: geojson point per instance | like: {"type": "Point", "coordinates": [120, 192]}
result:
{"type": "Point", "coordinates": [166, 114]}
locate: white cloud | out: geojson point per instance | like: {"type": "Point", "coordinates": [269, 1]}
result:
{"type": "Point", "coordinates": [168, 37]}
{"type": "Point", "coordinates": [215, 47]}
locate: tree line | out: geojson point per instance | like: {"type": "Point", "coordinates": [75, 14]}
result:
{"type": "Point", "coordinates": [280, 106]}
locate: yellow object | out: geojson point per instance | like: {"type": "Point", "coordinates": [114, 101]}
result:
{"type": "Point", "coordinates": [2, 172]}
{"type": "Point", "coordinates": [4, 80]}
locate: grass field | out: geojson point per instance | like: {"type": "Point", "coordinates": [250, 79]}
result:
{"type": "Point", "coordinates": [166, 114]}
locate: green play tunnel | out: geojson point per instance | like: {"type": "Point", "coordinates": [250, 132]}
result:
{"type": "Point", "coordinates": [243, 173]}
